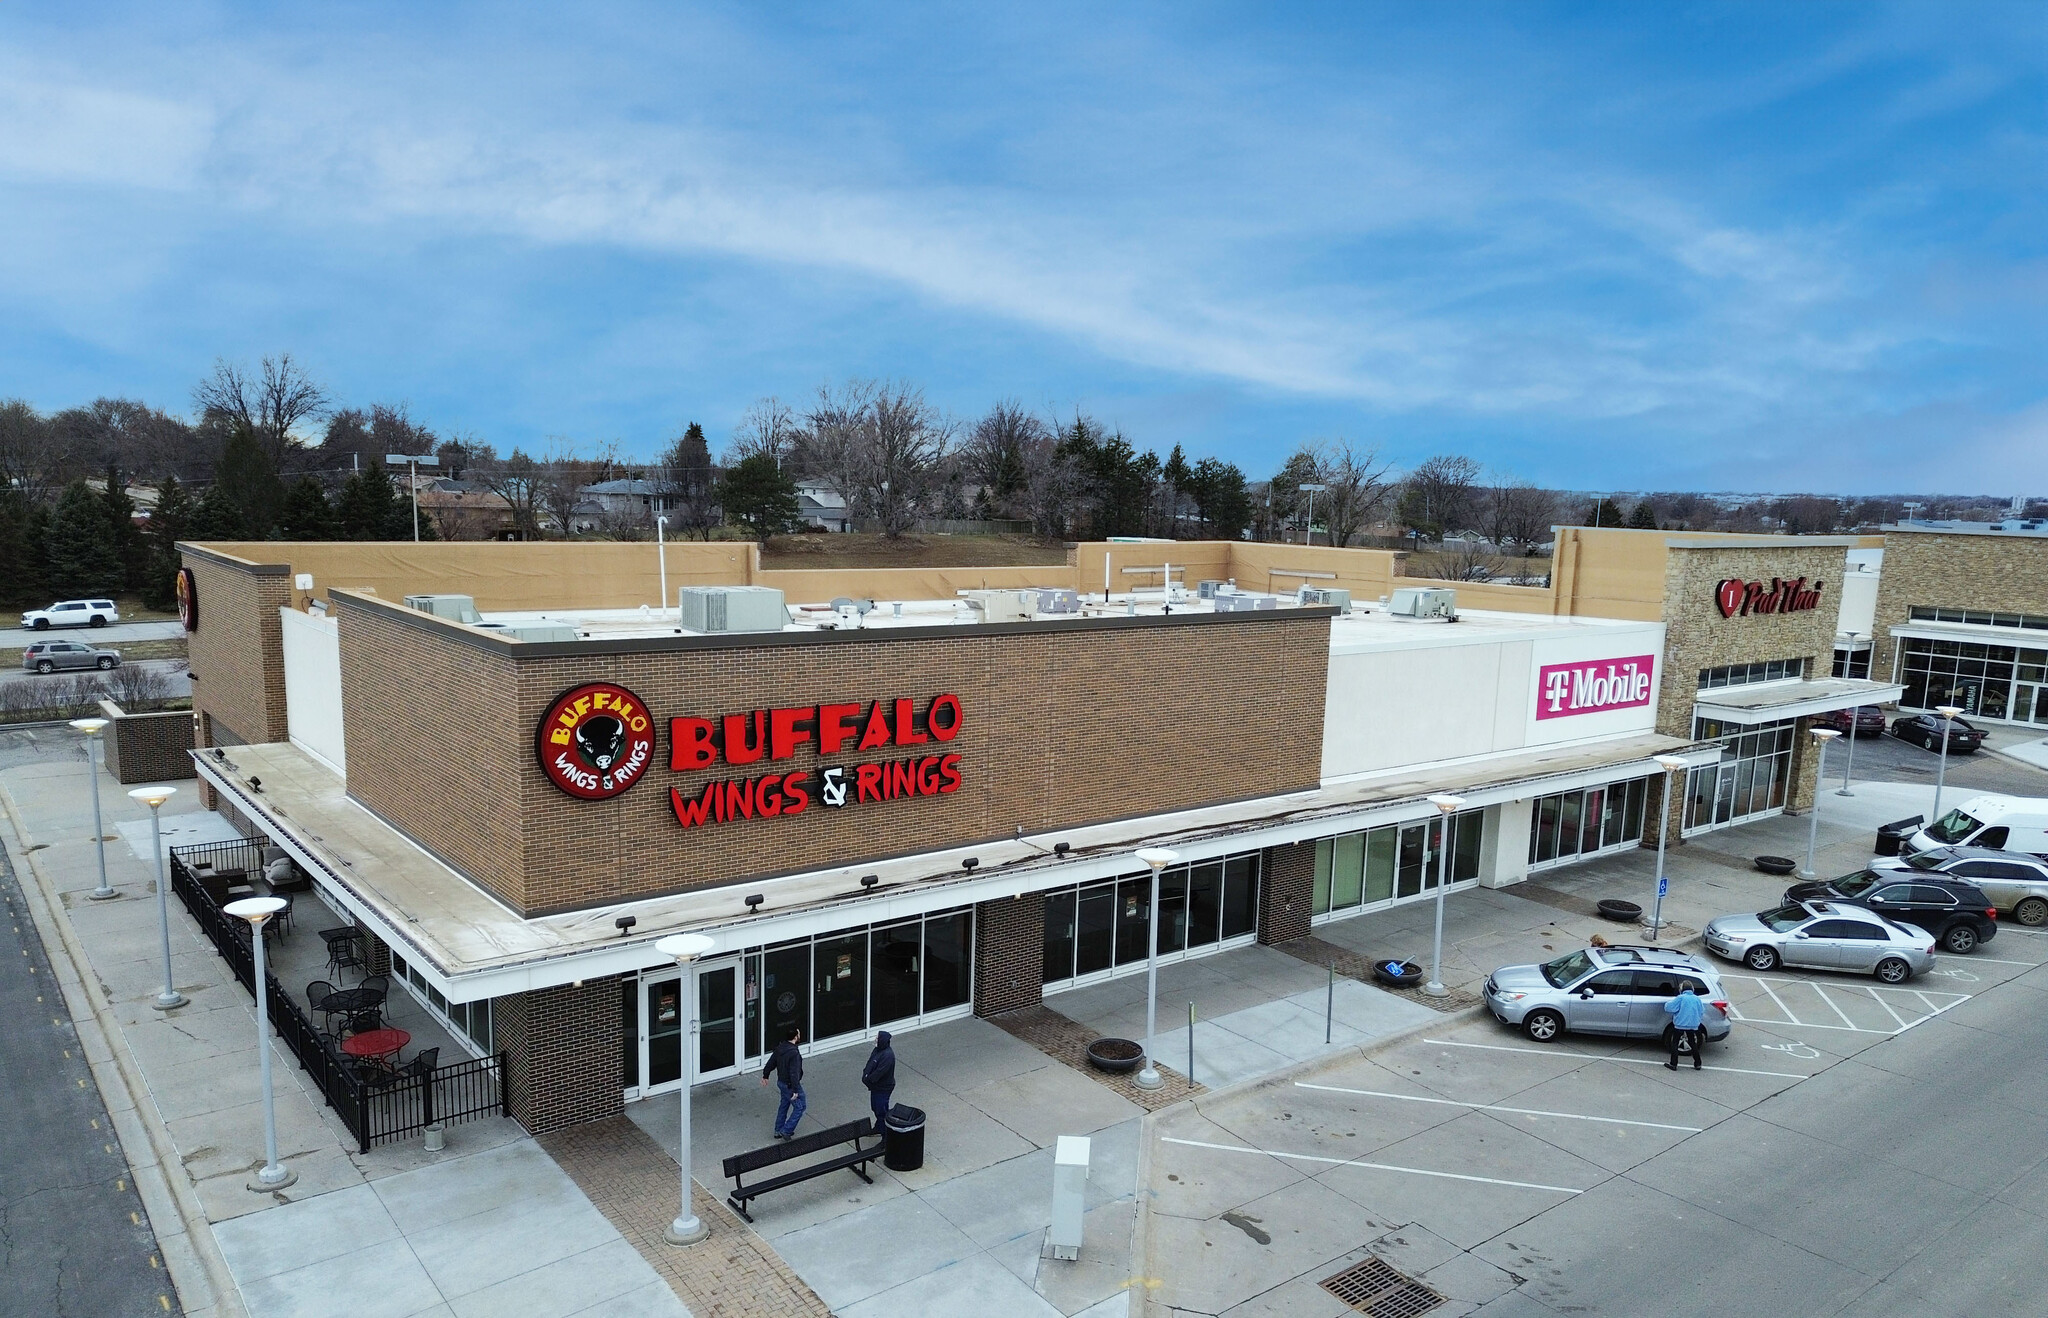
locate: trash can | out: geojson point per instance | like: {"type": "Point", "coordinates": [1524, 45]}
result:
{"type": "Point", "coordinates": [903, 1138]}
{"type": "Point", "coordinates": [1895, 833]}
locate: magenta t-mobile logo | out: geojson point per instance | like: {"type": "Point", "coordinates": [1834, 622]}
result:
{"type": "Point", "coordinates": [1593, 686]}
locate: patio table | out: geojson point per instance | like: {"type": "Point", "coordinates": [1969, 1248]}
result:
{"type": "Point", "coordinates": [379, 1045]}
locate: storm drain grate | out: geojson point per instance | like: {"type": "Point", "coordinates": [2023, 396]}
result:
{"type": "Point", "coordinates": [1375, 1287]}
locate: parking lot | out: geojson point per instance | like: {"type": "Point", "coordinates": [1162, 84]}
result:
{"type": "Point", "coordinates": [1846, 1140]}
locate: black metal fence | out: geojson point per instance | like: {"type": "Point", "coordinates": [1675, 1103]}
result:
{"type": "Point", "coordinates": [373, 1113]}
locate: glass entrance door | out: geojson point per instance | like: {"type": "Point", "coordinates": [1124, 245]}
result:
{"type": "Point", "coordinates": [661, 1034]}
{"type": "Point", "coordinates": [718, 1034]}
{"type": "Point", "coordinates": [655, 1024]}
{"type": "Point", "coordinates": [2029, 703]}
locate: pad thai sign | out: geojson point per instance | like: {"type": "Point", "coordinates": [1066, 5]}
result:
{"type": "Point", "coordinates": [1593, 686]}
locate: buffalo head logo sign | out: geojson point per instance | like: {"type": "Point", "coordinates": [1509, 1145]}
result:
{"type": "Point", "coordinates": [595, 741]}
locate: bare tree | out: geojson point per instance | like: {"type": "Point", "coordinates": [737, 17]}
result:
{"type": "Point", "coordinates": [520, 480]}
{"type": "Point", "coordinates": [270, 403]}
{"type": "Point", "coordinates": [830, 447]}
{"type": "Point", "coordinates": [994, 455]}
{"type": "Point", "coordinates": [1053, 489]}
{"type": "Point", "coordinates": [902, 444]}
{"type": "Point", "coordinates": [1436, 499]}
{"type": "Point", "coordinates": [1358, 488]}
{"type": "Point", "coordinates": [33, 459]}
{"type": "Point", "coordinates": [1517, 513]}
{"type": "Point", "coordinates": [770, 426]}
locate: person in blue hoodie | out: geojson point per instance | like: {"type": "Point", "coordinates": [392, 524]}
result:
{"type": "Point", "coordinates": [1687, 1014]}
{"type": "Point", "coordinates": [879, 1075]}
{"type": "Point", "coordinates": [786, 1064]}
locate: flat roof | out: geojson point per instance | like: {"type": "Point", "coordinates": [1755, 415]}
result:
{"type": "Point", "coordinates": [1768, 702]}
{"type": "Point", "coordinates": [2023, 528]}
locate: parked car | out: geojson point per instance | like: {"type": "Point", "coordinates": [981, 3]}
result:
{"type": "Point", "coordinates": [2014, 882]}
{"type": "Point", "coordinates": [2002, 823]}
{"type": "Point", "coordinates": [1604, 990]}
{"type": "Point", "coordinates": [1863, 721]}
{"type": "Point", "coordinates": [1823, 936]}
{"type": "Point", "coordinates": [1954, 910]}
{"type": "Point", "coordinates": [50, 656]}
{"type": "Point", "coordinates": [72, 613]}
{"type": "Point", "coordinates": [1927, 729]}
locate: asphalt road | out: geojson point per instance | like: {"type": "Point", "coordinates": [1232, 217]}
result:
{"type": "Point", "coordinates": [75, 1241]}
{"type": "Point", "coordinates": [112, 634]}
{"type": "Point", "coordinates": [177, 672]}
{"type": "Point", "coordinates": [1888, 759]}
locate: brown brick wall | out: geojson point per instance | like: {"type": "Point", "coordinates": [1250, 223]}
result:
{"type": "Point", "coordinates": [238, 650]}
{"type": "Point", "coordinates": [1696, 636]}
{"type": "Point", "coordinates": [435, 746]}
{"type": "Point", "coordinates": [1957, 572]}
{"type": "Point", "coordinates": [1009, 954]}
{"type": "Point", "coordinates": [1060, 728]}
{"type": "Point", "coordinates": [148, 748]}
{"type": "Point", "coordinates": [1286, 892]}
{"type": "Point", "coordinates": [561, 1050]}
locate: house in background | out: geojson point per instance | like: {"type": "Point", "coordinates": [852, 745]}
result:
{"type": "Point", "coordinates": [821, 506]}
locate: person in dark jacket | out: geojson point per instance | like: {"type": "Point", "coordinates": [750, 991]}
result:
{"type": "Point", "coordinates": [879, 1075]}
{"type": "Point", "coordinates": [786, 1064]}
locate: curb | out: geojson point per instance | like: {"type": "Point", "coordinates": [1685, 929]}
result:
{"type": "Point", "coordinates": [115, 1071]}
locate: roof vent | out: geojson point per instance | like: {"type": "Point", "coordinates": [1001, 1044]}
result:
{"type": "Point", "coordinates": [731, 609]}
{"type": "Point", "coordinates": [1424, 602]}
{"type": "Point", "coordinates": [455, 608]}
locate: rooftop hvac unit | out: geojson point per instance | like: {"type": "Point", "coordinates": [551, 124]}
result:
{"type": "Point", "coordinates": [455, 608]}
{"type": "Point", "coordinates": [1242, 602]}
{"type": "Point", "coordinates": [1424, 602]}
{"type": "Point", "coordinates": [731, 609]}
{"type": "Point", "coordinates": [1209, 590]}
{"type": "Point", "coordinates": [1059, 600]}
{"type": "Point", "coordinates": [1325, 597]}
{"type": "Point", "coordinates": [1001, 605]}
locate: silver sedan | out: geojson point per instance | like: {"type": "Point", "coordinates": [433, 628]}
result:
{"type": "Point", "coordinates": [1823, 936]}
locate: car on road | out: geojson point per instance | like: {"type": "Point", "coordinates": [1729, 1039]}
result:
{"type": "Point", "coordinates": [1926, 730]}
{"type": "Point", "coordinates": [1604, 990]}
{"type": "Point", "coordinates": [56, 656]}
{"type": "Point", "coordinates": [2014, 882]}
{"type": "Point", "coordinates": [1820, 935]}
{"type": "Point", "coordinates": [1863, 721]}
{"type": "Point", "coordinates": [1953, 909]}
{"type": "Point", "coordinates": [72, 613]}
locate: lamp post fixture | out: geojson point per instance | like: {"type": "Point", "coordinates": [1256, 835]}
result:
{"type": "Point", "coordinates": [687, 1229]}
{"type": "Point", "coordinates": [91, 728]}
{"type": "Point", "coordinates": [1670, 764]}
{"type": "Point", "coordinates": [1947, 713]}
{"type": "Point", "coordinates": [154, 797]}
{"type": "Point", "coordinates": [272, 1175]}
{"type": "Point", "coordinates": [661, 550]}
{"type": "Point", "coordinates": [1308, 532]}
{"type": "Point", "coordinates": [1821, 738]}
{"type": "Point", "coordinates": [1158, 858]}
{"type": "Point", "coordinates": [412, 462]}
{"type": "Point", "coordinates": [1446, 807]}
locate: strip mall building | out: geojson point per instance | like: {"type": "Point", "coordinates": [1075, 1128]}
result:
{"type": "Point", "coordinates": [928, 809]}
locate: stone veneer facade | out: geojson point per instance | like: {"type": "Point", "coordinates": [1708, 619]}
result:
{"type": "Point", "coordinates": [1988, 570]}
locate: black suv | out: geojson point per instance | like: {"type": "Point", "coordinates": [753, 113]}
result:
{"type": "Point", "coordinates": [1958, 914]}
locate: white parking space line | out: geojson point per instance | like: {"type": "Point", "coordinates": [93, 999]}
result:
{"type": "Point", "coordinates": [1495, 1107]}
{"type": "Point", "coordinates": [1790, 1019]}
{"type": "Point", "coordinates": [1994, 961]}
{"type": "Point", "coordinates": [1590, 1057]}
{"type": "Point", "coordinates": [1888, 1007]}
{"type": "Point", "coordinates": [1889, 1000]}
{"type": "Point", "coordinates": [1374, 1166]}
{"type": "Point", "coordinates": [1823, 994]}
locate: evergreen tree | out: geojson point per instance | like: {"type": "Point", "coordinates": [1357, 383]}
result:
{"type": "Point", "coordinates": [247, 479]}
{"type": "Point", "coordinates": [169, 522]}
{"type": "Point", "coordinates": [81, 547]}
{"type": "Point", "coordinates": [371, 509]}
{"type": "Point", "coordinates": [306, 515]}
{"type": "Point", "coordinates": [1605, 512]}
{"type": "Point", "coordinates": [126, 537]}
{"type": "Point", "coordinates": [218, 517]}
{"type": "Point", "coordinates": [756, 494]}
{"type": "Point", "coordinates": [1644, 518]}
{"type": "Point", "coordinates": [22, 576]}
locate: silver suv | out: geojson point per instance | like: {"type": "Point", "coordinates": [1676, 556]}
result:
{"type": "Point", "coordinates": [1604, 990]}
{"type": "Point", "coordinates": [50, 656]}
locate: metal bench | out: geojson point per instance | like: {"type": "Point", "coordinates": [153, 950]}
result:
{"type": "Point", "coordinates": [855, 1160]}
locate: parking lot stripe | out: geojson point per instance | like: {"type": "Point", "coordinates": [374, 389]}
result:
{"type": "Point", "coordinates": [1632, 1061]}
{"type": "Point", "coordinates": [1843, 1014]}
{"type": "Point", "coordinates": [1495, 1107]}
{"type": "Point", "coordinates": [1375, 1166]}
{"type": "Point", "coordinates": [1888, 1007]}
{"type": "Point", "coordinates": [1992, 960]}
{"type": "Point", "coordinates": [1790, 1019]}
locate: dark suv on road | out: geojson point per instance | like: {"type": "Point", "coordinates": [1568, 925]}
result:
{"type": "Point", "coordinates": [1958, 914]}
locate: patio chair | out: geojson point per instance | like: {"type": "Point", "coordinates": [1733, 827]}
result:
{"type": "Point", "coordinates": [345, 953]}
{"type": "Point", "coordinates": [318, 992]}
{"type": "Point", "coordinates": [375, 989]}
{"type": "Point", "coordinates": [423, 1062]}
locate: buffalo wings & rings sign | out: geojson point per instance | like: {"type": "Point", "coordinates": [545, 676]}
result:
{"type": "Point", "coordinates": [597, 740]}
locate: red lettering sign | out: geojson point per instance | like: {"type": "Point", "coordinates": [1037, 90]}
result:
{"type": "Point", "coordinates": [1735, 596]}
{"type": "Point", "coordinates": [595, 741]}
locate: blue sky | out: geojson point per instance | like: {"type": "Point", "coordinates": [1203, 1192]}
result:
{"type": "Point", "coordinates": [1756, 247]}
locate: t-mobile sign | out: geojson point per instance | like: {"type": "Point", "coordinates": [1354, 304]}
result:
{"type": "Point", "coordinates": [1593, 686]}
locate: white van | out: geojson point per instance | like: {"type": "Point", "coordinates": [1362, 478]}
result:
{"type": "Point", "coordinates": [2002, 823]}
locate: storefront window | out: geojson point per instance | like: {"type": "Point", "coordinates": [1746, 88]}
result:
{"type": "Point", "coordinates": [893, 970]}
{"type": "Point", "coordinates": [948, 949]}
{"type": "Point", "coordinates": [1750, 779]}
{"type": "Point", "coordinates": [1988, 681]}
{"type": "Point", "coordinates": [1059, 936]}
{"type": "Point", "coordinates": [1568, 825]}
{"type": "Point", "coordinates": [1240, 896]}
{"type": "Point", "coordinates": [786, 974]}
{"type": "Point", "coordinates": [1372, 867]}
{"type": "Point", "coordinates": [1173, 911]}
{"type": "Point", "coordinates": [1133, 920]}
{"type": "Point", "coordinates": [1381, 846]}
{"type": "Point", "coordinates": [1319, 901]}
{"type": "Point", "coordinates": [1095, 942]}
{"type": "Point", "coordinates": [1092, 929]}
{"type": "Point", "coordinates": [1205, 899]}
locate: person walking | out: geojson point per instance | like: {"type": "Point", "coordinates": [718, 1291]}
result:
{"type": "Point", "coordinates": [879, 1075]}
{"type": "Point", "coordinates": [1688, 1014]}
{"type": "Point", "coordinates": [786, 1064]}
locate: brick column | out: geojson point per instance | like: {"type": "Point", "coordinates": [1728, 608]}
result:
{"type": "Point", "coordinates": [1805, 769]}
{"type": "Point", "coordinates": [1286, 891]}
{"type": "Point", "coordinates": [1009, 954]}
{"type": "Point", "coordinates": [376, 955]}
{"type": "Point", "coordinates": [562, 1053]}
{"type": "Point", "coordinates": [1660, 813]}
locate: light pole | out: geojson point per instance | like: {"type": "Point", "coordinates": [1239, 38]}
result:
{"type": "Point", "coordinates": [1446, 807]}
{"type": "Point", "coordinates": [272, 1175]}
{"type": "Point", "coordinates": [687, 1229]}
{"type": "Point", "coordinates": [661, 549]}
{"type": "Point", "coordinates": [1158, 858]}
{"type": "Point", "coordinates": [1308, 532]}
{"type": "Point", "coordinates": [412, 462]}
{"type": "Point", "coordinates": [92, 727]}
{"type": "Point", "coordinates": [1947, 712]}
{"type": "Point", "coordinates": [154, 797]}
{"type": "Point", "coordinates": [1821, 738]}
{"type": "Point", "coordinates": [1670, 764]}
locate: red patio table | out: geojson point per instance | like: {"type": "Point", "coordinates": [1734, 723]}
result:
{"type": "Point", "coordinates": [379, 1044]}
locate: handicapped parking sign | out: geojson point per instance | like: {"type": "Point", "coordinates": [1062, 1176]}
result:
{"type": "Point", "coordinates": [1663, 887]}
